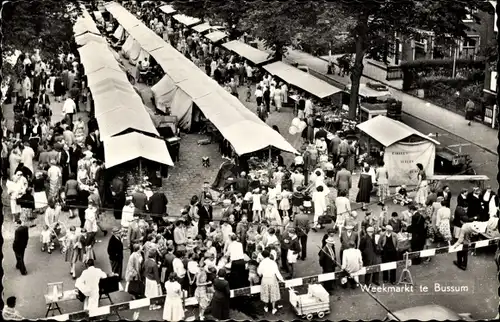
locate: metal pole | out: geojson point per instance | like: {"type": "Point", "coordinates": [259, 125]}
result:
{"type": "Point", "coordinates": [454, 61]}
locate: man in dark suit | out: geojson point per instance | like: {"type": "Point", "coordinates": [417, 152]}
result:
{"type": "Point", "coordinates": [44, 99]}
{"type": "Point", "coordinates": [446, 194]}
{"type": "Point", "coordinates": [118, 193]}
{"type": "Point", "coordinates": [347, 236]}
{"type": "Point", "coordinates": [158, 205]}
{"type": "Point", "coordinates": [368, 249]}
{"type": "Point", "coordinates": [417, 231]}
{"type": "Point", "coordinates": [206, 214]}
{"type": "Point", "coordinates": [302, 227]}
{"type": "Point", "coordinates": [21, 238]}
{"type": "Point", "coordinates": [75, 153]}
{"type": "Point", "coordinates": [115, 252]}
{"type": "Point", "coordinates": [140, 201]}
{"type": "Point", "coordinates": [475, 208]}
{"type": "Point", "coordinates": [333, 147]}
{"type": "Point", "coordinates": [241, 183]}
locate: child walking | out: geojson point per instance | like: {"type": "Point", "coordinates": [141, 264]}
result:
{"type": "Point", "coordinates": [45, 238]}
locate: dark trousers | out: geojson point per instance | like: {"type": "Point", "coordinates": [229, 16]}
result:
{"type": "Point", "coordinates": [303, 245]}
{"type": "Point", "coordinates": [371, 278]}
{"type": "Point", "coordinates": [462, 257]}
{"type": "Point", "coordinates": [20, 260]}
{"type": "Point", "coordinates": [117, 266]}
{"type": "Point", "coordinates": [389, 275]}
{"type": "Point", "coordinates": [81, 215]}
{"type": "Point", "coordinates": [284, 260]}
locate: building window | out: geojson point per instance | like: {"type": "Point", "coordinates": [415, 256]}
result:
{"type": "Point", "coordinates": [470, 46]}
{"type": "Point", "coordinates": [469, 17]}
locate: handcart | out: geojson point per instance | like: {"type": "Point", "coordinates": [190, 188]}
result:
{"type": "Point", "coordinates": [315, 302]}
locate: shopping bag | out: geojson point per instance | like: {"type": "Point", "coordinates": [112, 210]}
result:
{"type": "Point", "coordinates": [136, 288]}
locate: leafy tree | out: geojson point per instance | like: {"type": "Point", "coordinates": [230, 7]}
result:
{"type": "Point", "coordinates": [230, 12]}
{"type": "Point", "coordinates": [278, 23]}
{"type": "Point", "coordinates": [43, 24]}
{"type": "Point", "coordinates": [375, 20]}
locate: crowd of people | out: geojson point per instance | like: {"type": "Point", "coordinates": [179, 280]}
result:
{"type": "Point", "coordinates": [264, 227]}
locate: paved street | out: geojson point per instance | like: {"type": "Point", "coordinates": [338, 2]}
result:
{"type": "Point", "coordinates": [478, 134]}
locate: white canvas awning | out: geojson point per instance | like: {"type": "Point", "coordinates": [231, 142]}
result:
{"type": "Point", "coordinates": [202, 27]}
{"type": "Point", "coordinates": [85, 23]}
{"type": "Point", "coordinates": [119, 120]}
{"type": "Point", "coordinates": [302, 80]}
{"type": "Point", "coordinates": [95, 56]}
{"type": "Point", "coordinates": [168, 9]}
{"type": "Point", "coordinates": [216, 36]}
{"type": "Point", "coordinates": [187, 20]}
{"type": "Point", "coordinates": [387, 131]}
{"type": "Point", "coordinates": [84, 39]}
{"type": "Point", "coordinates": [248, 52]}
{"type": "Point", "coordinates": [131, 146]}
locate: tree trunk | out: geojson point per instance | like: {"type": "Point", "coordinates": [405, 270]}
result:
{"type": "Point", "coordinates": [357, 69]}
{"type": "Point", "coordinates": [278, 52]}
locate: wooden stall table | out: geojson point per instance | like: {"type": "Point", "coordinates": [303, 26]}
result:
{"type": "Point", "coordinates": [53, 303]}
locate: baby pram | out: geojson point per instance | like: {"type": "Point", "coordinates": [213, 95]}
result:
{"type": "Point", "coordinates": [58, 234]}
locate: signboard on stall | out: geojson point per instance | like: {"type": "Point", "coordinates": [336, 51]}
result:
{"type": "Point", "coordinates": [401, 161]}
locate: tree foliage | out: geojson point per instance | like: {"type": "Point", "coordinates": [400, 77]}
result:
{"type": "Point", "coordinates": [377, 21]}
{"type": "Point", "coordinates": [278, 23]}
{"type": "Point", "coordinates": [43, 24]}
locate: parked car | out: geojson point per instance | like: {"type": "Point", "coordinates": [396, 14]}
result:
{"type": "Point", "coordinates": [427, 313]}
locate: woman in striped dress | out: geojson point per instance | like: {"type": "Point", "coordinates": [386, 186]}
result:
{"type": "Point", "coordinates": [382, 177]}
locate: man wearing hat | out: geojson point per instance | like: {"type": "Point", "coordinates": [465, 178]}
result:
{"type": "Point", "coordinates": [368, 248]}
{"type": "Point", "coordinates": [115, 252]}
{"type": "Point", "coordinates": [327, 261]}
{"type": "Point", "coordinates": [134, 235]}
{"type": "Point", "coordinates": [347, 236]}
{"type": "Point", "coordinates": [388, 244]}
{"type": "Point", "coordinates": [418, 232]}
{"type": "Point", "coordinates": [302, 227]}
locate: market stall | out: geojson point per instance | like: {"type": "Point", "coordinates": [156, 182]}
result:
{"type": "Point", "coordinates": [216, 36]}
{"type": "Point", "coordinates": [168, 9]}
{"type": "Point", "coordinates": [85, 24]}
{"type": "Point", "coordinates": [202, 28]}
{"type": "Point", "coordinates": [142, 158]}
{"type": "Point", "coordinates": [86, 38]}
{"type": "Point", "coordinates": [255, 56]}
{"type": "Point", "coordinates": [186, 20]}
{"type": "Point", "coordinates": [402, 148]}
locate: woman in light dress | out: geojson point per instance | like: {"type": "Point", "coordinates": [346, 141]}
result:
{"type": "Point", "coordinates": [55, 179]}
{"type": "Point", "coordinates": [343, 207]}
{"type": "Point", "coordinates": [422, 186]}
{"type": "Point", "coordinates": [14, 160]}
{"type": "Point", "coordinates": [204, 290]}
{"type": "Point", "coordinates": [382, 179]}
{"type": "Point", "coordinates": [16, 189]}
{"type": "Point", "coordinates": [79, 132]}
{"type": "Point", "coordinates": [278, 96]}
{"type": "Point", "coordinates": [256, 205]}
{"type": "Point", "coordinates": [173, 310]}
{"type": "Point", "coordinates": [443, 218]}
{"type": "Point", "coordinates": [72, 250]}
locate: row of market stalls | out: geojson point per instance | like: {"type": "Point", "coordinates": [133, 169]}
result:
{"type": "Point", "coordinates": [187, 90]}
{"type": "Point", "coordinates": [401, 146]}
{"type": "Point", "coordinates": [126, 129]}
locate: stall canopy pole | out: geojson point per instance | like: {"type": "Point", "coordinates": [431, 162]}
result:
{"type": "Point", "coordinates": [140, 171]}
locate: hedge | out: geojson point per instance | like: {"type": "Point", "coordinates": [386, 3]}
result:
{"type": "Point", "coordinates": [415, 70]}
{"type": "Point", "coordinates": [453, 82]}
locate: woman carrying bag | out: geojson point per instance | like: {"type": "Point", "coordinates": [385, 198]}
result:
{"type": "Point", "coordinates": [134, 285]}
